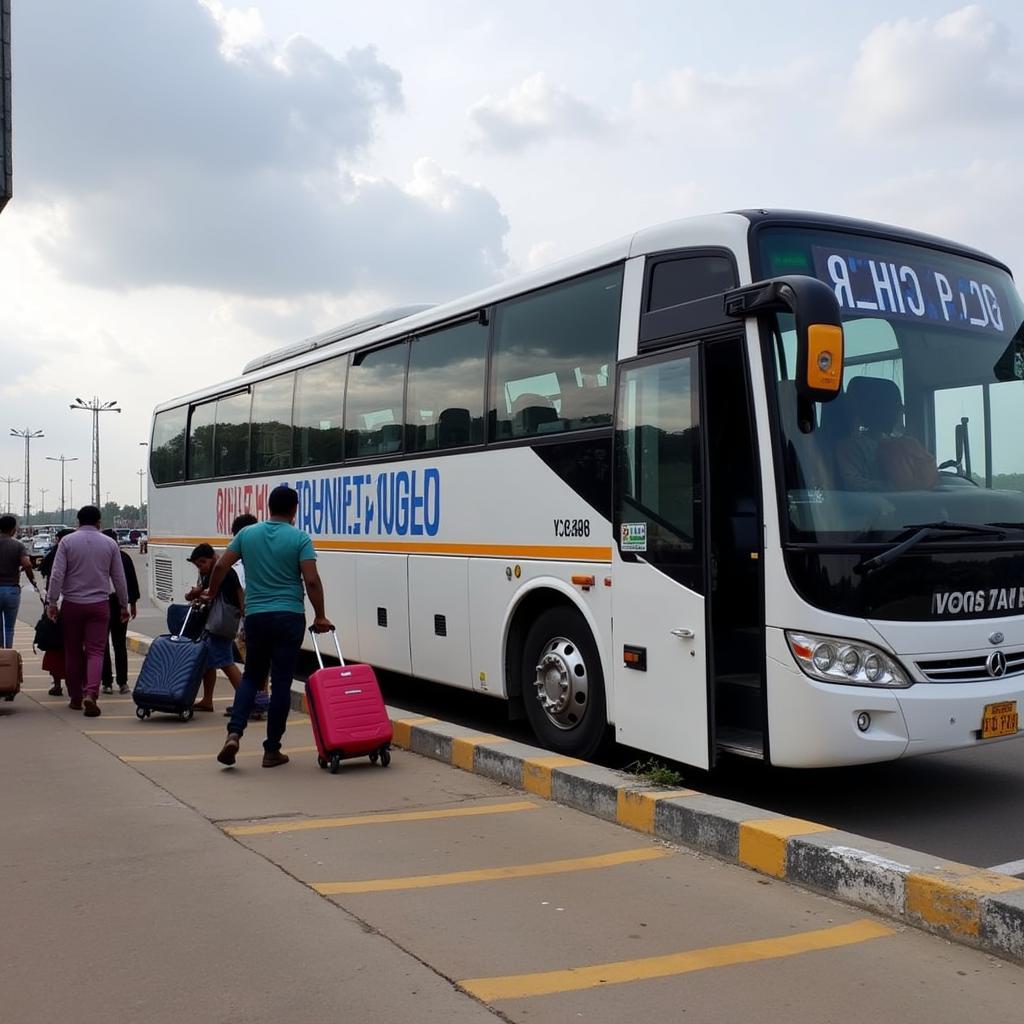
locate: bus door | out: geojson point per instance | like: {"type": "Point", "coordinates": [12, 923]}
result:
{"type": "Point", "coordinates": [660, 700]}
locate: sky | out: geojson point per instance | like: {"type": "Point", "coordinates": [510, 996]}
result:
{"type": "Point", "coordinates": [196, 182]}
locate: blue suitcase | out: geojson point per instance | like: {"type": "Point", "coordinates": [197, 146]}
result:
{"type": "Point", "coordinates": [171, 675]}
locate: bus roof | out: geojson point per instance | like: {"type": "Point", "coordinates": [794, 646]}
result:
{"type": "Point", "coordinates": [723, 229]}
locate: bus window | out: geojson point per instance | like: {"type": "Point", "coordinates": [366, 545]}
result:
{"type": "Point", "coordinates": [317, 416]}
{"type": "Point", "coordinates": [167, 446]}
{"type": "Point", "coordinates": [272, 424]}
{"type": "Point", "coordinates": [674, 281]}
{"type": "Point", "coordinates": [1007, 470]}
{"type": "Point", "coordinates": [373, 403]}
{"type": "Point", "coordinates": [231, 436]}
{"type": "Point", "coordinates": [551, 353]}
{"type": "Point", "coordinates": [445, 400]}
{"type": "Point", "coordinates": [200, 441]}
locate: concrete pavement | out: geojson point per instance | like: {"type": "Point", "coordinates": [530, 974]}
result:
{"type": "Point", "coordinates": [144, 882]}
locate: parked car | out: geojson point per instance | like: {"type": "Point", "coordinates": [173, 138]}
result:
{"type": "Point", "coordinates": [38, 546]}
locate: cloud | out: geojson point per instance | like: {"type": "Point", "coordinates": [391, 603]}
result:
{"type": "Point", "coordinates": [729, 105]}
{"type": "Point", "coordinates": [933, 75]}
{"type": "Point", "coordinates": [532, 112]}
{"type": "Point", "coordinates": [186, 148]}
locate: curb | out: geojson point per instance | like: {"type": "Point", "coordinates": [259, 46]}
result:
{"type": "Point", "coordinates": [955, 901]}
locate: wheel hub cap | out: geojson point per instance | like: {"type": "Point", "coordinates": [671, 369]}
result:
{"type": "Point", "coordinates": [561, 683]}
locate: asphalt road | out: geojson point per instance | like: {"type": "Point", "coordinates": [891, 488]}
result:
{"type": "Point", "coordinates": [966, 806]}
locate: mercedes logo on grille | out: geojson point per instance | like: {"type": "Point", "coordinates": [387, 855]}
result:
{"type": "Point", "coordinates": [996, 638]}
{"type": "Point", "coordinates": [996, 664]}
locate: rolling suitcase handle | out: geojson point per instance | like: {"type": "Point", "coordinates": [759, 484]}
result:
{"type": "Point", "coordinates": [184, 624]}
{"type": "Point", "coordinates": [316, 646]}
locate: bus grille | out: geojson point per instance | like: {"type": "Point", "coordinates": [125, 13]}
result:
{"type": "Point", "coordinates": [969, 670]}
{"type": "Point", "coordinates": [163, 579]}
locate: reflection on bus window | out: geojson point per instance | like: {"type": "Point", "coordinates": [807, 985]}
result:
{"type": "Point", "coordinates": [319, 397]}
{"type": "Point", "coordinates": [272, 423]}
{"type": "Point", "coordinates": [167, 446]}
{"type": "Point", "coordinates": [572, 329]}
{"type": "Point", "coordinates": [445, 400]}
{"type": "Point", "coordinates": [373, 403]}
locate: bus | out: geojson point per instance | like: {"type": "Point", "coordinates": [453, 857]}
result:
{"type": "Point", "coordinates": [748, 483]}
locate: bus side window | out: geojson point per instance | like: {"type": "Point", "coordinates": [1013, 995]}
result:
{"type": "Point", "coordinates": [231, 435]}
{"type": "Point", "coordinates": [373, 404]}
{"type": "Point", "coordinates": [551, 353]}
{"type": "Point", "coordinates": [272, 423]}
{"type": "Point", "coordinates": [167, 446]}
{"type": "Point", "coordinates": [201, 426]}
{"type": "Point", "coordinates": [445, 399]}
{"type": "Point", "coordinates": [316, 415]}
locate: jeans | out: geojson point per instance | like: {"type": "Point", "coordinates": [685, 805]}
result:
{"type": "Point", "coordinates": [10, 601]}
{"type": "Point", "coordinates": [273, 641]}
{"type": "Point", "coordinates": [119, 640]}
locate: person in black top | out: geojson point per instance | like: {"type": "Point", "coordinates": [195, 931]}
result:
{"type": "Point", "coordinates": [219, 653]}
{"type": "Point", "coordinates": [119, 629]}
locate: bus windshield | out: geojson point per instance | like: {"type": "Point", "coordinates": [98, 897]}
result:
{"type": "Point", "coordinates": [928, 424]}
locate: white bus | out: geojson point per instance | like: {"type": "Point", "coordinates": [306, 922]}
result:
{"type": "Point", "coordinates": [635, 491]}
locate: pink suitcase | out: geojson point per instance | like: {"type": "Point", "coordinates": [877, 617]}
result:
{"type": "Point", "coordinates": [347, 711]}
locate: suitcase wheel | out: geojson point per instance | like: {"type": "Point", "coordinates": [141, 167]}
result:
{"type": "Point", "coordinates": [322, 762]}
{"type": "Point", "coordinates": [186, 715]}
{"type": "Point", "coordinates": [11, 697]}
{"type": "Point", "coordinates": [141, 713]}
{"type": "Point", "coordinates": [335, 763]}
{"type": "Point", "coordinates": [374, 756]}
{"type": "Point", "coordinates": [383, 755]}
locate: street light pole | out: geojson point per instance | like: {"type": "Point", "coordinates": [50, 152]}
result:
{"type": "Point", "coordinates": [29, 435]}
{"type": "Point", "coordinates": [9, 480]}
{"type": "Point", "coordinates": [141, 474]}
{"type": "Point", "coordinates": [95, 407]}
{"type": "Point", "coordinates": [62, 459]}
{"type": "Point", "coordinates": [42, 501]}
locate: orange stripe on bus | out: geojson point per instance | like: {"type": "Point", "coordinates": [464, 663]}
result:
{"type": "Point", "coordinates": [550, 552]}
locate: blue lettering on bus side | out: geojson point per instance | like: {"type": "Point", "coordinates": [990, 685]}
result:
{"type": "Point", "coordinates": [397, 503]}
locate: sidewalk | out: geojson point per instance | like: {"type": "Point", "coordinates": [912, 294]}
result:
{"type": "Point", "coordinates": [145, 883]}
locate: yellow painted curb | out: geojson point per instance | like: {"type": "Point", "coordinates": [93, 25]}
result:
{"type": "Point", "coordinates": [635, 808]}
{"type": "Point", "coordinates": [464, 749]}
{"type": "Point", "coordinates": [403, 730]}
{"type": "Point", "coordinates": [537, 772]}
{"type": "Point", "coordinates": [763, 842]}
{"type": "Point", "coordinates": [950, 898]}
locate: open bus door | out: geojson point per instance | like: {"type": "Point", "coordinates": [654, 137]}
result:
{"type": "Point", "coordinates": [658, 604]}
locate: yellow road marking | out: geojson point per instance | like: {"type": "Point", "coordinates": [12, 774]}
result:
{"type": "Point", "coordinates": [150, 758]}
{"type": "Point", "coordinates": [551, 867]}
{"type": "Point", "coordinates": [464, 748]}
{"type": "Point", "coordinates": [385, 817]}
{"type": "Point", "coordinates": [763, 842]}
{"type": "Point", "coordinates": [636, 808]}
{"type": "Point", "coordinates": [521, 986]}
{"type": "Point", "coordinates": [537, 772]}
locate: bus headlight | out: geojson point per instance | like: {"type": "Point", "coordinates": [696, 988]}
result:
{"type": "Point", "coordinates": [833, 660]}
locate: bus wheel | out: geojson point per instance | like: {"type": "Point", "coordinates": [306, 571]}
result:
{"type": "Point", "coordinates": [563, 688]}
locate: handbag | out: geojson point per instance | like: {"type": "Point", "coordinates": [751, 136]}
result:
{"type": "Point", "coordinates": [49, 635]}
{"type": "Point", "coordinates": [223, 619]}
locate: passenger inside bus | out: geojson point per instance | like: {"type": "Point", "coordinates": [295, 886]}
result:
{"type": "Point", "coordinates": [875, 455]}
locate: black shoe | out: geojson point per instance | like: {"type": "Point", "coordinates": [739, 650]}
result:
{"type": "Point", "coordinates": [55, 690]}
{"type": "Point", "coordinates": [229, 751]}
{"type": "Point", "coordinates": [271, 759]}
{"type": "Point", "coordinates": [123, 688]}
{"type": "Point", "coordinates": [228, 712]}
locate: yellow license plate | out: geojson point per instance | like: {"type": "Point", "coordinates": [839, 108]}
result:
{"type": "Point", "coordinates": [999, 720]}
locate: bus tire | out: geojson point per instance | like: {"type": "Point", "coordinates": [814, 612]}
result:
{"type": "Point", "coordinates": [562, 683]}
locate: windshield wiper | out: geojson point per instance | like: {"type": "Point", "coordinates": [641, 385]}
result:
{"type": "Point", "coordinates": [924, 531]}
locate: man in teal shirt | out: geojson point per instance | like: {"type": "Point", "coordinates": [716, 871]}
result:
{"type": "Point", "coordinates": [279, 561]}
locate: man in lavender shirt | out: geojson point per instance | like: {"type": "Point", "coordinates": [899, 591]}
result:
{"type": "Point", "coordinates": [87, 563]}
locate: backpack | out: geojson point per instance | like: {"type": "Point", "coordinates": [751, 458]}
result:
{"type": "Point", "coordinates": [49, 635]}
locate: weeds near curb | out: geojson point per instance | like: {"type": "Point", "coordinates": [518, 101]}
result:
{"type": "Point", "coordinates": [655, 773]}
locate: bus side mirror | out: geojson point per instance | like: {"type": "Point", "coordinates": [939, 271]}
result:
{"type": "Point", "coordinates": [819, 330]}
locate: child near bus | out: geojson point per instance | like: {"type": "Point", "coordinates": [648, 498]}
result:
{"type": "Point", "coordinates": [219, 653]}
